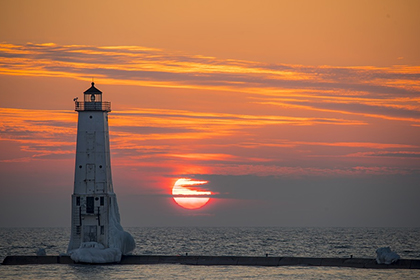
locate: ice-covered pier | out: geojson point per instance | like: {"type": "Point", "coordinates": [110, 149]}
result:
{"type": "Point", "coordinates": [226, 260]}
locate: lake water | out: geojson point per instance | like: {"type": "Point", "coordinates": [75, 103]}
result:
{"type": "Point", "coordinates": [296, 242]}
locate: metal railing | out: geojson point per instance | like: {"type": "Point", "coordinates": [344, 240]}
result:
{"type": "Point", "coordinates": [92, 106]}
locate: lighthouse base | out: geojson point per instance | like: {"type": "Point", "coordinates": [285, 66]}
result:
{"type": "Point", "coordinates": [114, 241]}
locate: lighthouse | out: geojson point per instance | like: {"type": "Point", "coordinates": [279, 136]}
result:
{"type": "Point", "coordinates": [96, 232]}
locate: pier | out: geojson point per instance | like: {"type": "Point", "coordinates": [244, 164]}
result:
{"type": "Point", "coordinates": [225, 260]}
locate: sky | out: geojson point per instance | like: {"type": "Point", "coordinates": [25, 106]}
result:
{"type": "Point", "coordinates": [295, 113]}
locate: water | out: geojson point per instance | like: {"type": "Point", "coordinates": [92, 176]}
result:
{"type": "Point", "coordinates": [304, 242]}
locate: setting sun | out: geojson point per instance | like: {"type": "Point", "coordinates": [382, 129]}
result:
{"type": "Point", "coordinates": [187, 196]}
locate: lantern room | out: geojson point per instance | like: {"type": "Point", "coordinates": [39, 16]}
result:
{"type": "Point", "coordinates": [93, 94]}
{"type": "Point", "coordinates": [92, 101]}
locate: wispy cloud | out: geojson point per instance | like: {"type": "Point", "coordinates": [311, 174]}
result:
{"type": "Point", "coordinates": [186, 142]}
{"type": "Point", "coordinates": [379, 92]}
{"type": "Point", "coordinates": [291, 120]}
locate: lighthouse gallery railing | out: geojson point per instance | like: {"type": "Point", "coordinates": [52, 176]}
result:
{"type": "Point", "coordinates": [92, 106]}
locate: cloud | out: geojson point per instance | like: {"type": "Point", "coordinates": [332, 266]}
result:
{"type": "Point", "coordinates": [320, 201]}
{"type": "Point", "coordinates": [397, 154]}
{"type": "Point", "coordinates": [183, 141]}
{"type": "Point", "coordinates": [381, 92]}
{"type": "Point", "coordinates": [256, 131]}
{"type": "Point", "coordinates": [151, 130]}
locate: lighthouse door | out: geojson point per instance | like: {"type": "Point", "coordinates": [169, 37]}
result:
{"type": "Point", "coordinates": [89, 234]}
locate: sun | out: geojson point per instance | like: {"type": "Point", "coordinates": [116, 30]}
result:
{"type": "Point", "coordinates": [187, 196]}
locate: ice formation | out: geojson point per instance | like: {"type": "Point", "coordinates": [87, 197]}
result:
{"type": "Point", "coordinates": [120, 242]}
{"type": "Point", "coordinates": [94, 252]}
{"type": "Point", "coordinates": [384, 255]}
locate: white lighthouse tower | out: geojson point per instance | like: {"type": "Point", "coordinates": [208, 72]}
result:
{"type": "Point", "coordinates": [96, 233]}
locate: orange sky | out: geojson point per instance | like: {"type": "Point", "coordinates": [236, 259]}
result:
{"type": "Point", "coordinates": [293, 96]}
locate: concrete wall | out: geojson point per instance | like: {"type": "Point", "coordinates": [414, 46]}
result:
{"type": "Point", "coordinates": [227, 260]}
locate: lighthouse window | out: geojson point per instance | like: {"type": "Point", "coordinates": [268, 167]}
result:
{"type": "Point", "coordinates": [80, 166]}
{"type": "Point", "coordinates": [90, 205]}
{"type": "Point", "coordinates": [78, 201]}
{"type": "Point", "coordinates": [102, 201]}
{"type": "Point", "coordinates": [102, 230]}
{"type": "Point", "coordinates": [100, 166]}
{"type": "Point", "coordinates": [90, 117]}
